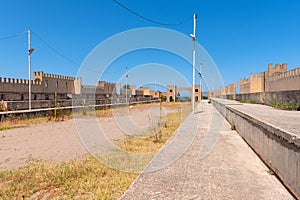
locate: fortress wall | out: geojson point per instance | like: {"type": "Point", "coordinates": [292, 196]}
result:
{"type": "Point", "coordinates": [77, 86]}
{"type": "Point", "coordinates": [105, 88]}
{"type": "Point", "coordinates": [275, 79]}
{"type": "Point", "coordinates": [244, 86]}
{"type": "Point", "coordinates": [268, 98]}
{"type": "Point", "coordinates": [56, 83]}
{"type": "Point", "coordinates": [231, 89]}
{"type": "Point", "coordinates": [55, 76]}
{"type": "Point", "coordinates": [43, 85]}
{"type": "Point", "coordinates": [289, 80]}
{"type": "Point", "coordinates": [16, 89]}
{"type": "Point", "coordinates": [110, 88]}
{"type": "Point", "coordinates": [277, 69]}
{"type": "Point", "coordinates": [256, 83]}
{"type": "Point", "coordinates": [274, 85]}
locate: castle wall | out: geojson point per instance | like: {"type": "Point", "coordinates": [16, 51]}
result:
{"type": "Point", "coordinates": [256, 83]}
{"type": "Point", "coordinates": [291, 96]}
{"type": "Point", "coordinates": [52, 83]}
{"type": "Point", "coordinates": [105, 88]}
{"type": "Point", "coordinates": [277, 69]}
{"type": "Point", "coordinates": [16, 89]}
{"type": "Point", "coordinates": [289, 80]}
{"type": "Point", "coordinates": [46, 87]}
{"type": "Point", "coordinates": [230, 89]}
{"type": "Point", "coordinates": [43, 87]}
{"type": "Point", "coordinates": [274, 79]}
{"type": "Point", "coordinates": [274, 85]}
{"type": "Point", "coordinates": [244, 86]}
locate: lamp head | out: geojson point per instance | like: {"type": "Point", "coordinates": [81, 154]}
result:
{"type": "Point", "coordinates": [30, 51]}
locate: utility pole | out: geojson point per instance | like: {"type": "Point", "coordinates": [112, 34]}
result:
{"type": "Point", "coordinates": [126, 83]}
{"type": "Point", "coordinates": [194, 62]}
{"type": "Point", "coordinates": [30, 50]}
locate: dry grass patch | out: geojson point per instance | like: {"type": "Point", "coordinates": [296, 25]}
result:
{"type": "Point", "coordinates": [158, 136]}
{"type": "Point", "coordinates": [21, 122]}
{"type": "Point", "coordinates": [86, 179]}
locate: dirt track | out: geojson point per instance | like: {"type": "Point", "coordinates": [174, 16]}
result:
{"type": "Point", "coordinates": [56, 141]}
{"type": "Point", "coordinates": [59, 141]}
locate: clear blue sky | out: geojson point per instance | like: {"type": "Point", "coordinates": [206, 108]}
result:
{"type": "Point", "coordinates": [241, 36]}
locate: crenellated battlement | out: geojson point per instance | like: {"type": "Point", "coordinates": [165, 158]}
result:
{"type": "Point", "coordinates": [256, 75]}
{"type": "Point", "coordinates": [17, 81]}
{"type": "Point", "coordinates": [276, 78]}
{"type": "Point", "coordinates": [102, 84]}
{"type": "Point", "coordinates": [42, 75]}
{"type": "Point", "coordinates": [277, 69]}
{"type": "Point", "coordinates": [244, 81]}
{"type": "Point", "coordinates": [286, 75]}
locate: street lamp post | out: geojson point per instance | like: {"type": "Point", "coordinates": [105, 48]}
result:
{"type": "Point", "coordinates": [194, 62]}
{"type": "Point", "coordinates": [126, 84]}
{"type": "Point", "coordinates": [30, 50]}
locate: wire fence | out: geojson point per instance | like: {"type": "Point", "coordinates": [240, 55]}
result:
{"type": "Point", "coordinates": [61, 111]}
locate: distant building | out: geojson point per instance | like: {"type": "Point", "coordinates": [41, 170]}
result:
{"type": "Point", "coordinates": [173, 92]}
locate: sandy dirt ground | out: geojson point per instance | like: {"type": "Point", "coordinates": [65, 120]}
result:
{"type": "Point", "coordinates": [60, 142]}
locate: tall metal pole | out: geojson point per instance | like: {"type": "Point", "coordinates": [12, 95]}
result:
{"type": "Point", "coordinates": [29, 70]}
{"type": "Point", "coordinates": [194, 62]}
{"type": "Point", "coordinates": [126, 83]}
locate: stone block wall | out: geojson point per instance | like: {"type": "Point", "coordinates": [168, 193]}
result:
{"type": "Point", "coordinates": [268, 98]}
{"type": "Point", "coordinates": [289, 80]}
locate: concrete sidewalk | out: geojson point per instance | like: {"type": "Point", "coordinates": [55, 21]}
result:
{"type": "Point", "coordinates": [230, 170]}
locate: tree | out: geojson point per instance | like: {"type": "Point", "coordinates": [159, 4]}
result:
{"type": "Point", "coordinates": [164, 98]}
{"type": "Point", "coordinates": [126, 86]}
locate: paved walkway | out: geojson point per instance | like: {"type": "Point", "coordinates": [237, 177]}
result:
{"type": "Point", "coordinates": [217, 164]}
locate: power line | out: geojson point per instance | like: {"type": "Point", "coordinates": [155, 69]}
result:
{"type": "Point", "coordinates": [150, 20]}
{"type": "Point", "coordinates": [56, 51]}
{"type": "Point", "coordinates": [13, 36]}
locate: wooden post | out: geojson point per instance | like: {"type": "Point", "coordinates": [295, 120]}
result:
{"type": "Point", "coordinates": [160, 108]}
{"type": "Point", "coordinates": [55, 100]}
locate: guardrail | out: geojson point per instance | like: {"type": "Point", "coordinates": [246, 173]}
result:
{"type": "Point", "coordinates": [48, 111]}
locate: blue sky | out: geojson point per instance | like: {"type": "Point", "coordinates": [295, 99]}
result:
{"type": "Point", "coordinates": [241, 36]}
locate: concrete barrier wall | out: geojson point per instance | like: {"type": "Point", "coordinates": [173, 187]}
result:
{"type": "Point", "coordinates": [276, 148]}
{"type": "Point", "coordinates": [269, 97]}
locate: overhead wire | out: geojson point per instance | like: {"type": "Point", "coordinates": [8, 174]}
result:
{"type": "Point", "coordinates": [150, 20]}
{"type": "Point", "coordinates": [53, 49]}
{"type": "Point", "coordinates": [43, 41]}
{"type": "Point", "coordinates": [12, 36]}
